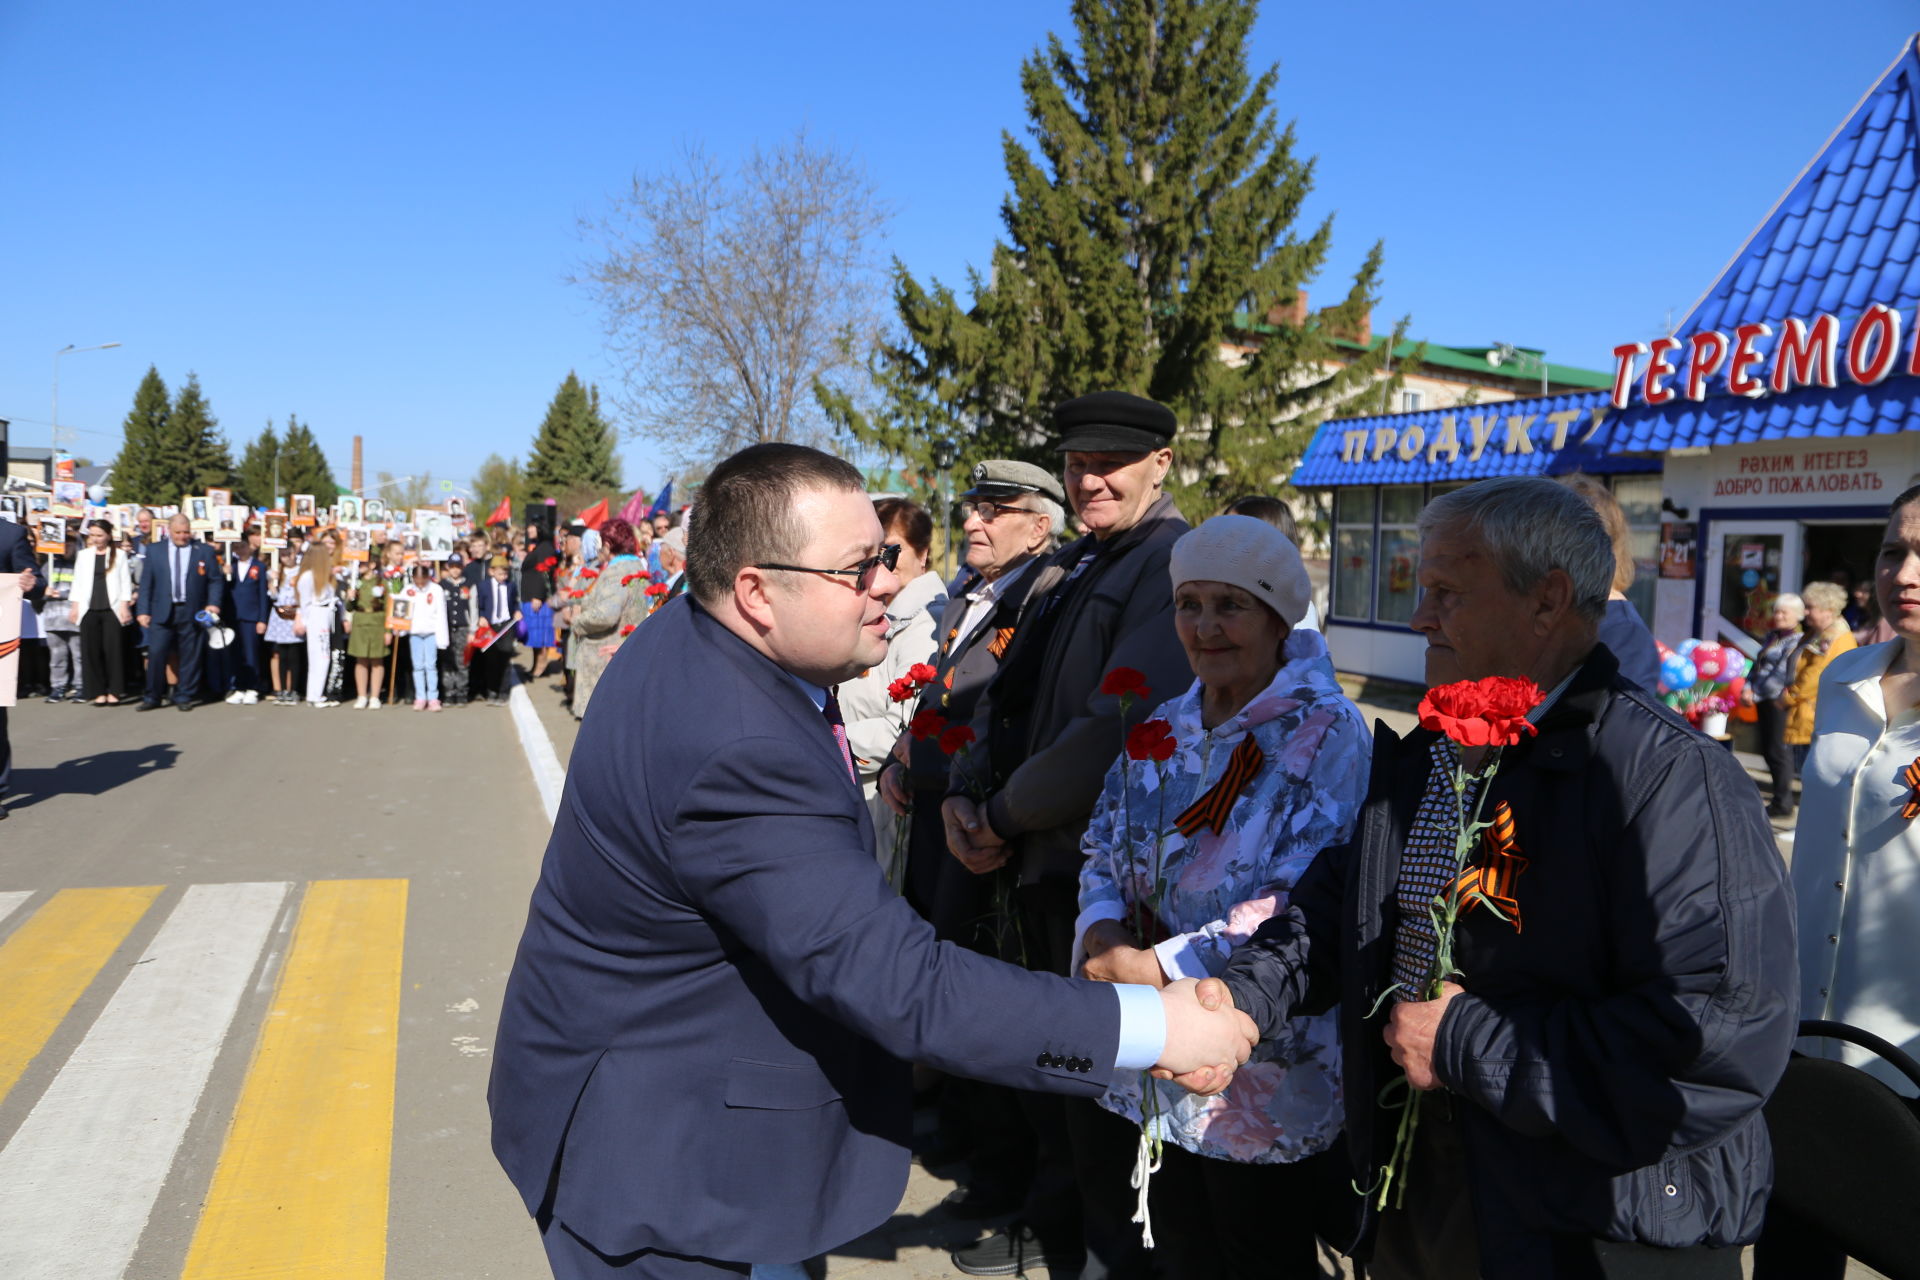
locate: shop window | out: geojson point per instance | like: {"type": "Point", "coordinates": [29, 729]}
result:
{"type": "Point", "coordinates": [1639, 499]}
{"type": "Point", "coordinates": [1353, 552]}
{"type": "Point", "coordinates": [1397, 591]}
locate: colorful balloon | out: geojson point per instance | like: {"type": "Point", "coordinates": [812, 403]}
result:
{"type": "Point", "coordinates": [1708, 662]}
{"type": "Point", "coordinates": [1676, 673]}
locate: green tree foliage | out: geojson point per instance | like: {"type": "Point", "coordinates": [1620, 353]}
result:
{"type": "Point", "coordinates": [1155, 226]}
{"type": "Point", "coordinates": [200, 452]}
{"type": "Point", "coordinates": [253, 480]}
{"type": "Point", "coordinates": [141, 472]}
{"type": "Point", "coordinates": [402, 496]}
{"type": "Point", "coordinates": [498, 478]}
{"type": "Point", "coordinates": [574, 447]}
{"type": "Point", "coordinates": [303, 466]}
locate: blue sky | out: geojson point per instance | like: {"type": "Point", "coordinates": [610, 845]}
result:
{"type": "Point", "coordinates": [364, 214]}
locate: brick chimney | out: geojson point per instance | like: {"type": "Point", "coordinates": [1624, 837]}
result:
{"type": "Point", "coordinates": [356, 483]}
{"type": "Point", "coordinates": [1293, 316]}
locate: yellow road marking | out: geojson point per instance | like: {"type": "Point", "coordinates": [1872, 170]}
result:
{"type": "Point", "coordinates": [53, 957]}
{"type": "Point", "coordinates": [301, 1186]}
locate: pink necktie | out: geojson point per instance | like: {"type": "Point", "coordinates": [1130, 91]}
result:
{"type": "Point", "coordinates": [832, 712]}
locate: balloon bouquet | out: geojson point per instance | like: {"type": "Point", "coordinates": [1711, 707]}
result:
{"type": "Point", "coordinates": [1703, 682]}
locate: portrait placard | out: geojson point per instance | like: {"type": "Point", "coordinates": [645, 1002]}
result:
{"type": "Point", "coordinates": [273, 530]}
{"type": "Point", "coordinates": [302, 512]}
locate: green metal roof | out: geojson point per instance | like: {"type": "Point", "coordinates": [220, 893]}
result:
{"type": "Point", "coordinates": [1466, 359]}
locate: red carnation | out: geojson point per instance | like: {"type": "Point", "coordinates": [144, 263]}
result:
{"type": "Point", "coordinates": [922, 673]}
{"type": "Point", "coordinates": [928, 724]}
{"type": "Point", "coordinates": [1481, 713]}
{"type": "Point", "coordinates": [1152, 740]}
{"type": "Point", "coordinates": [956, 737]}
{"type": "Point", "coordinates": [1125, 682]}
{"type": "Point", "coordinates": [546, 566]}
{"type": "Point", "coordinates": [627, 630]}
{"type": "Point", "coordinates": [657, 589]}
{"type": "Point", "coordinates": [631, 578]}
{"type": "Point", "coordinates": [902, 689]}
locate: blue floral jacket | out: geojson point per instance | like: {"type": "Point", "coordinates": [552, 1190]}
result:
{"type": "Point", "coordinates": [1216, 889]}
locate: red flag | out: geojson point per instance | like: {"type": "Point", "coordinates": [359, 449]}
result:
{"type": "Point", "coordinates": [502, 514]}
{"type": "Point", "coordinates": [596, 515]}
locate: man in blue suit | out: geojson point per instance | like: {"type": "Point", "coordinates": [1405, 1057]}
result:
{"type": "Point", "coordinates": [180, 579]}
{"type": "Point", "coordinates": [702, 1055]}
{"type": "Point", "coordinates": [16, 557]}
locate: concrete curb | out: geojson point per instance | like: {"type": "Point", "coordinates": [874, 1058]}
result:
{"type": "Point", "coordinates": [549, 778]}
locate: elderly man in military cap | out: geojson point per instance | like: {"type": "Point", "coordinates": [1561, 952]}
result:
{"type": "Point", "coordinates": [1024, 794]}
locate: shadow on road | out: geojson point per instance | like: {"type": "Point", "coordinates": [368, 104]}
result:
{"type": "Point", "coordinates": [92, 775]}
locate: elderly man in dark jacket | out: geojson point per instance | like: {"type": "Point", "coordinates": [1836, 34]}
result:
{"type": "Point", "coordinates": [1023, 794]}
{"type": "Point", "coordinates": [1604, 1055]}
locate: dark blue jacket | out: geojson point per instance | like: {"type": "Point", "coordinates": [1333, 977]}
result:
{"type": "Point", "coordinates": [482, 602]}
{"type": "Point", "coordinates": [206, 584]}
{"type": "Point", "coordinates": [1610, 1057]}
{"type": "Point", "coordinates": [16, 553]}
{"type": "Point", "coordinates": [247, 586]}
{"type": "Point", "coordinates": [704, 1039]}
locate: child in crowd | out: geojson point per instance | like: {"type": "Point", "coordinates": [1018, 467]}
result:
{"type": "Point", "coordinates": [453, 669]}
{"type": "Point", "coordinates": [427, 635]}
{"type": "Point", "coordinates": [287, 651]}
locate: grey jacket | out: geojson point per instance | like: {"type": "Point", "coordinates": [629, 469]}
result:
{"type": "Point", "coordinates": [1047, 733]}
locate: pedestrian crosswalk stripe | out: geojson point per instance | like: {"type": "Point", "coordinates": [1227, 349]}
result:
{"type": "Point", "coordinates": [301, 1185]}
{"type": "Point", "coordinates": [52, 958]}
{"type": "Point", "coordinates": [11, 900]}
{"type": "Point", "coordinates": [113, 1118]}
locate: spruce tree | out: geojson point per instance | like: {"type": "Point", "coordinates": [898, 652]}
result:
{"type": "Point", "coordinates": [574, 446]}
{"type": "Point", "coordinates": [200, 456]}
{"type": "Point", "coordinates": [253, 480]}
{"type": "Point", "coordinates": [303, 467]}
{"type": "Point", "coordinates": [1154, 227]}
{"type": "Point", "coordinates": [141, 473]}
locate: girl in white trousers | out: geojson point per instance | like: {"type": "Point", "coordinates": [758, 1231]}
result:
{"type": "Point", "coordinates": [315, 592]}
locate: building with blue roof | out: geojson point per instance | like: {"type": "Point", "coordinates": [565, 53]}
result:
{"type": "Point", "coordinates": [1754, 449]}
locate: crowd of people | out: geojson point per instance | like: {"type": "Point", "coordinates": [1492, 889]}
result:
{"type": "Point", "coordinates": [1119, 752]}
{"type": "Point", "coordinates": [156, 615]}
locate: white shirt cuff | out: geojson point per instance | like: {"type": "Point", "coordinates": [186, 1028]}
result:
{"type": "Point", "coordinates": [1143, 1028]}
{"type": "Point", "coordinates": [1179, 958]}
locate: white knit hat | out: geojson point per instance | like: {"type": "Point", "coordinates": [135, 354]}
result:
{"type": "Point", "coordinates": [1247, 553]}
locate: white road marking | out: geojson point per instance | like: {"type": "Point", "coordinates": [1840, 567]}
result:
{"type": "Point", "coordinates": [548, 776]}
{"type": "Point", "coordinates": [10, 901]}
{"type": "Point", "coordinates": [80, 1177]}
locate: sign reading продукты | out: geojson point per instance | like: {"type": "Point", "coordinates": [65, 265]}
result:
{"type": "Point", "coordinates": [1467, 436]}
{"type": "Point", "coordinates": [1804, 354]}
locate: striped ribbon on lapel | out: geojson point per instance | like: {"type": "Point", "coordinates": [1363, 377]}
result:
{"type": "Point", "coordinates": [1211, 809]}
{"type": "Point", "coordinates": [1912, 774]}
{"type": "Point", "coordinates": [8, 646]}
{"type": "Point", "coordinates": [1002, 637]}
{"type": "Point", "coordinates": [1496, 880]}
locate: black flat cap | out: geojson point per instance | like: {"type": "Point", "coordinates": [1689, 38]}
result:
{"type": "Point", "coordinates": [1113, 422]}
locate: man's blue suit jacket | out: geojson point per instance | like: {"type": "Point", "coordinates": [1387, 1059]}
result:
{"type": "Point", "coordinates": [248, 591]}
{"type": "Point", "coordinates": [704, 1040]}
{"type": "Point", "coordinates": [206, 584]}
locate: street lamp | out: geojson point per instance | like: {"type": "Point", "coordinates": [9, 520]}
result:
{"type": "Point", "coordinates": [69, 349]}
{"type": "Point", "coordinates": [944, 454]}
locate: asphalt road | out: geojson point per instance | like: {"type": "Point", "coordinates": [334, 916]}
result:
{"type": "Point", "coordinates": [251, 959]}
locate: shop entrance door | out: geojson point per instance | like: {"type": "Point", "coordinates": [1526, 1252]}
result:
{"type": "Point", "coordinates": [1745, 565]}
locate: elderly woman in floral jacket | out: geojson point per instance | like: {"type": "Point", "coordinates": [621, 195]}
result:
{"type": "Point", "coordinates": [1207, 821]}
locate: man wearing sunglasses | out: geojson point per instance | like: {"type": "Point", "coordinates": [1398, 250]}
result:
{"type": "Point", "coordinates": [701, 1061]}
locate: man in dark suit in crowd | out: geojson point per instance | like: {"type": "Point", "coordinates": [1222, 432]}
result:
{"type": "Point", "coordinates": [702, 1055]}
{"type": "Point", "coordinates": [496, 602]}
{"type": "Point", "coordinates": [16, 557]}
{"type": "Point", "coordinates": [181, 579]}
{"type": "Point", "coordinates": [247, 588]}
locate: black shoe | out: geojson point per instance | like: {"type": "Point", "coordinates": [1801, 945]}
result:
{"type": "Point", "coordinates": [149, 706]}
{"type": "Point", "coordinates": [184, 706]}
{"type": "Point", "coordinates": [1011, 1251]}
{"type": "Point", "coordinates": [974, 1204]}
{"type": "Point", "coordinates": [56, 697]}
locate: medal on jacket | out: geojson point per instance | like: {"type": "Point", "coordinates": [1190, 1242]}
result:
{"type": "Point", "coordinates": [1911, 776]}
{"type": "Point", "coordinates": [1493, 883]}
{"type": "Point", "coordinates": [1211, 809]}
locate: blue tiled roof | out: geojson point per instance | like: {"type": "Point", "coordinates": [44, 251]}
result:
{"type": "Point", "coordinates": [1327, 460]}
{"type": "Point", "coordinates": [1844, 234]}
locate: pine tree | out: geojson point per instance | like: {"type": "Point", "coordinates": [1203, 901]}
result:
{"type": "Point", "coordinates": [303, 467]}
{"type": "Point", "coordinates": [1155, 226]}
{"type": "Point", "coordinates": [574, 447]}
{"type": "Point", "coordinates": [200, 456]}
{"type": "Point", "coordinates": [141, 473]}
{"type": "Point", "coordinates": [253, 482]}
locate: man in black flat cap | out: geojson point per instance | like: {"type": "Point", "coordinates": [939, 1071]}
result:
{"type": "Point", "coordinates": [1047, 735]}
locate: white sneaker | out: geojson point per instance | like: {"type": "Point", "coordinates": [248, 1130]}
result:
{"type": "Point", "coordinates": [236, 697]}
{"type": "Point", "coordinates": [323, 704]}
{"type": "Point", "coordinates": [359, 704]}
{"type": "Point", "coordinates": [253, 696]}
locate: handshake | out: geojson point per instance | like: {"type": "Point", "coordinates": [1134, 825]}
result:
{"type": "Point", "coordinates": [1206, 1036]}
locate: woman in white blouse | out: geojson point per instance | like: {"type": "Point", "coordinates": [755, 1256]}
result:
{"type": "Point", "coordinates": [314, 590]}
{"type": "Point", "coordinates": [102, 606]}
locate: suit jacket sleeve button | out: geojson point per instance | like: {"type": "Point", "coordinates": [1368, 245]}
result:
{"type": "Point", "coordinates": [1044, 1060]}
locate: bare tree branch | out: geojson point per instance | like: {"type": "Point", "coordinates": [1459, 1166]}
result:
{"type": "Point", "coordinates": [727, 294]}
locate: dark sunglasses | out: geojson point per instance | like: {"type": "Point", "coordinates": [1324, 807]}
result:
{"type": "Point", "coordinates": [889, 556]}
